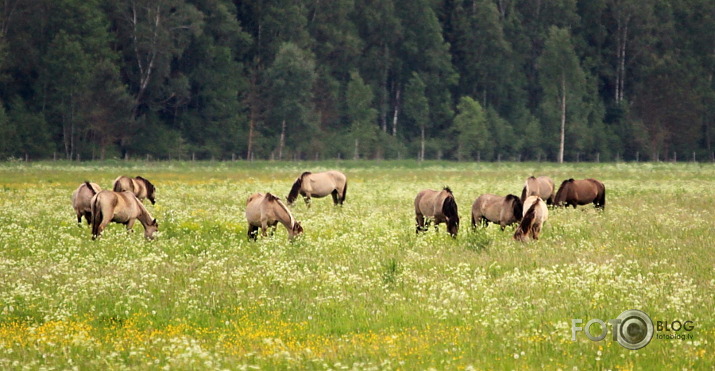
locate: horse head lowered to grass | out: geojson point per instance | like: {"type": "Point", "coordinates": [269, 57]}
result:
{"type": "Point", "coordinates": [267, 210]}
{"type": "Point", "coordinates": [438, 207]}
{"type": "Point", "coordinates": [581, 192]}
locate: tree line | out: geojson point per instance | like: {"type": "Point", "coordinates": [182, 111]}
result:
{"type": "Point", "coordinates": [573, 80]}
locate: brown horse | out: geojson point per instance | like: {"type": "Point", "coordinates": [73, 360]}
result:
{"type": "Point", "coordinates": [535, 215]}
{"type": "Point", "coordinates": [581, 192]}
{"type": "Point", "coordinates": [81, 198]}
{"type": "Point", "coordinates": [120, 207]}
{"type": "Point", "coordinates": [496, 209]}
{"type": "Point", "coordinates": [319, 185]}
{"type": "Point", "coordinates": [141, 187]}
{"type": "Point", "coordinates": [542, 186]}
{"type": "Point", "coordinates": [266, 211]}
{"type": "Point", "coordinates": [437, 206]}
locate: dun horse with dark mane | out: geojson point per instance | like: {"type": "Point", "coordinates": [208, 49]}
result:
{"type": "Point", "coordinates": [496, 209]}
{"type": "Point", "coordinates": [535, 215]}
{"type": "Point", "coordinates": [318, 185]}
{"type": "Point", "coordinates": [120, 207]}
{"type": "Point", "coordinates": [263, 211]}
{"type": "Point", "coordinates": [81, 200]}
{"type": "Point", "coordinates": [542, 186]}
{"type": "Point", "coordinates": [581, 192]}
{"type": "Point", "coordinates": [141, 187]}
{"type": "Point", "coordinates": [439, 207]}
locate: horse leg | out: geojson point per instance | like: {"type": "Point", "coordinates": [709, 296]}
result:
{"type": "Point", "coordinates": [335, 197]}
{"type": "Point", "coordinates": [252, 232]}
{"type": "Point", "coordinates": [130, 224]}
{"type": "Point", "coordinates": [87, 217]}
{"type": "Point", "coordinates": [264, 228]}
{"type": "Point", "coordinates": [420, 222]}
{"type": "Point", "coordinates": [307, 200]}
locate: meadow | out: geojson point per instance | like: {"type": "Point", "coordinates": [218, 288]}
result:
{"type": "Point", "coordinates": [359, 290]}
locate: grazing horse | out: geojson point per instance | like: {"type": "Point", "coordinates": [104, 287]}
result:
{"type": "Point", "coordinates": [81, 198]}
{"type": "Point", "coordinates": [266, 211]}
{"type": "Point", "coordinates": [141, 187]}
{"type": "Point", "coordinates": [535, 215]}
{"type": "Point", "coordinates": [319, 185]}
{"type": "Point", "coordinates": [437, 206]}
{"type": "Point", "coordinates": [496, 209]}
{"type": "Point", "coordinates": [120, 207]}
{"type": "Point", "coordinates": [542, 186]}
{"type": "Point", "coordinates": [581, 192]}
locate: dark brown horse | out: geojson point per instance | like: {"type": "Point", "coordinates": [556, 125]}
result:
{"type": "Point", "coordinates": [120, 207]}
{"type": "Point", "coordinates": [318, 185]}
{"type": "Point", "coordinates": [267, 210]}
{"type": "Point", "coordinates": [142, 188]}
{"type": "Point", "coordinates": [437, 206]}
{"type": "Point", "coordinates": [81, 200]}
{"type": "Point", "coordinates": [581, 192]}
{"type": "Point", "coordinates": [542, 186]}
{"type": "Point", "coordinates": [496, 209]}
{"type": "Point", "coordinates": [535, 215]}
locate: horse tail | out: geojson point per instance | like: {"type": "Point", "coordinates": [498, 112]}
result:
{"type": "Point", "coordinates": [96, 216]}
{"type": "Point", "coordinates": [117, 185]}
{"type": "Point", "coordinates": [345, 192]}
{"type": "Point", "coordinates": [523, 191]}
{"type": "Point", "coordinates": [526, 221]}
{"type": "Point", "coordinates": [271, 197]}
{"type": "Point", "coordinates": [91, 189]}
{"type": "Point", "coordinates": [602, 196]}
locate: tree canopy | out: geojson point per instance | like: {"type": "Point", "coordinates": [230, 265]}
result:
{"type": "Point", "coordinates": [454, 79]}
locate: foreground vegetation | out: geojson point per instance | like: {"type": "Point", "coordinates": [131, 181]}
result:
{"type": "Point", "coordinates": [359, 289]}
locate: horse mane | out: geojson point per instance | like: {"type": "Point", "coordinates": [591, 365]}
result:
{"type": "Point", "coordinates": [273, 198]}
{"type": "Point", "coordinates": [86, 182]}
{"type": "Point", "coordinates": [517, 205]}
{"type": "Point", "coordinates": [149, 187]}
{"type": "Point", "coordinates": [295, 189]}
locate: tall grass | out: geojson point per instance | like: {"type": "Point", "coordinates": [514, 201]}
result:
{"type": "Point", "coordinates": [360, 289]}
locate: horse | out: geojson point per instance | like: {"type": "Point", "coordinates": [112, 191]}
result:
{"type": "Point", "coordinates": [542, 186]}
{"type": "Point", "coordinates": [120, 207]}
{"type": "Point", "coordinates": [535, 215]}
{"type": "Point", "coordinates": [319, 185]}
{"type": "Point", "coordinates": [581, 192]}
{"type": "Point", "coordinates": [437, 206]}
{"type": "Point", "coordinates": [496, 209]}
{"type": "Point", "coordinates": [81, 198]}
{"type": "Point", "coordinates": [141, 187]}
{"type": "Point", "coordinates": [266, 211]}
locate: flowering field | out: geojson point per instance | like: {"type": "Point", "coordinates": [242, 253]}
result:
{"type": "Point", "coordinates": [359, 290]}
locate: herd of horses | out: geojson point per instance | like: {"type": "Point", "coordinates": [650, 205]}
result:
{"type": "Point", "coordinates": [124, 204]}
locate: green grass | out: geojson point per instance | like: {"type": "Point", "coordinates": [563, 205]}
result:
{"type": "Point", "coordinates": [359, 289]}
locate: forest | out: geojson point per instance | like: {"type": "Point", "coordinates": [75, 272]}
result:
{"type": "Point", "coordinates": [466, 80]}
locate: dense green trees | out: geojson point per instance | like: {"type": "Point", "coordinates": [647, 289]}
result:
{"type": "Point", "coordinates": [458, 79]}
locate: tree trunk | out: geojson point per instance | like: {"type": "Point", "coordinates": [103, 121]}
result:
{"type": "Point", "coordinates": [383, 96]}
{"type": "Point", "coordinates": [357, 151]}
{"type": "Point", "coordinates": [563, 118]}
{"type": "Point", "coordinates": [396, 112]}
{"type": "Point", "coordinates": [422, 144]}
{"type": "Point", "coordinates": [282, 142]}
{"type": "Point", "coordinates": [249, 151]}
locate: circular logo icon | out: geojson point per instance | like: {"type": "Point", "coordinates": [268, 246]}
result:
{"type": "Point", "coordinates": [635, 330]}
